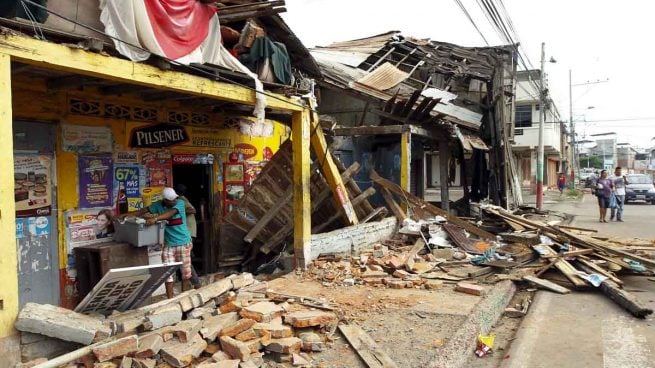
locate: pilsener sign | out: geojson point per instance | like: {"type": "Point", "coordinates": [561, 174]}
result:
{"type": "Point", "coordinates": [158, 135]}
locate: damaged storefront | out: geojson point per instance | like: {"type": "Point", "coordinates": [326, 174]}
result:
{"type": "Point", "coordinates": [90, 135]}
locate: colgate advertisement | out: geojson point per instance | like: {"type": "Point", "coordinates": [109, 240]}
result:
{"type": "Point", "coordinates": [193, 159]}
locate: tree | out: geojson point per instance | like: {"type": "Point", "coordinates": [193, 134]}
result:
{"type": "Point", "coordinates": [595, 162]}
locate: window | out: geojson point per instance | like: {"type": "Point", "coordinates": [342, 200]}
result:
{"type": "Point", "coordinates": [523, 118]}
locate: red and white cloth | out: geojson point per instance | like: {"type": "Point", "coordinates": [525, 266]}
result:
{"type": "Point", "coordinates": [180, 253]}
{"type": "Point", "coordinates": [186, 31]}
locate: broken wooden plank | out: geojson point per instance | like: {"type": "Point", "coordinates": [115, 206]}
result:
{"type": "Point", "coordinates": [373, 355]}
{"type": "Point", "coordinates": [626, 300]}
{"type": "Point", "coordinates": [564, 266]}
{"type": "Point", "coordinates": [380, 211]}
{"type": "Point", "coordinates": [572, 253]}
{"type": "Point", "coordinates": [393, 206]}
{"type": "Point", "coordinates": [547, 284]}
{"type": "Point", "coordinates": [393, 187]}
{"type": "Point", "coordinates": [355, 201]}
{"type": "Point", "coordinates": [588, 242]}
{"type": "Point", "coordinates": [591, 267]}
{"type": "Point", "coordinates": [409, 258]}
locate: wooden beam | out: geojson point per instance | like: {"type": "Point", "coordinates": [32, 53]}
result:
{"type": "Point", "coordinates": [70, 82]}
{"type": "Point", "coordinates": [302, 218]}
{"type": "Point", "coordinates": [329, 169]}
{"type": "Point", "coordinates": [547, 284]}
{"type": "Point", "coordinates": [282, 202]}
{"type": "Point", "coordinates": [357, 200]}
{"type": "Point", "coordinates": [393, 205]}
{"type": "Point", "coordinates": [316, 203]}
{"type": "Point", "coordinates": [48, 55]}
{"type": "Point", "coordinates": [373, 355]}
{"type": "Point", "coordinates": [393, 187]}
{"type": "Point", "coordinates": [444, 157]}
{"type": "Point", "coordinates": [122, 89]}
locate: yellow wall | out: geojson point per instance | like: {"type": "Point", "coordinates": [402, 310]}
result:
{"type": "Point", "coordinates": [32, 101]}
{"type": "Point", "coordinates": [8, 256]}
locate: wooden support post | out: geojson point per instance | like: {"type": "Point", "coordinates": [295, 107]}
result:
{"type": "Point", "coordinates": [300, 132]}
{"type": "Point", "coordinates": [405, 163]}
{"type": "Point", "coordinates": [329, 169]}
{"type": "Point", "coordinates": [8, 254]}
{"type": "Point", "coordinates": [444, 156]}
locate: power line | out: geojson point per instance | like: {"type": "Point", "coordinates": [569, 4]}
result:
{"type": "Point", "coordinates": [461, 6]}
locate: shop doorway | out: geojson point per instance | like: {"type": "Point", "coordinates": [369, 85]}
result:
{"type": "Point", "coordinates": [36, 212]}
{"type": "Point", "coordinates": [197, 178]}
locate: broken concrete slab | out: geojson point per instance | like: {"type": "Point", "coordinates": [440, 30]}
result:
{"type": "Point", "coordinates": [116, 348]}
{"type": "Point", "coordinates": [302, 319]}
{"type": "Point", "coordinates": [143, 363]}
{"type": "Point", "coordinates": [237, 327]}
{"type": "Point", "coordinates": [219, 356]}
{"type": "Point", "coordinates": [232, 363]}
{"type": "Point", "coordinates": [188, 328]}
{"type": "Point", "coordinates": [211, 327]}
{"type": "Point", "coordinates": [433, 284]}
{"type": "Point", "coordinates": [262, 311]}
{"type": "Point", "coordinates": [311, 342]}
{"type": "Point", "coordinates": [241, 280]}
{"type": "Point", "coordinates": [126, 362]}
{"type": "Point", "coordinates": [105, 365]}
{"type": "Point", "coordinates": [255, 345]}
{"type": "Point", "coordinates": [247, 335]}
{"type": "Point", "coordinates": [164, 316]}
{"type": "Point", "coordinates": [180, 354]}
{"type": "Point", "coordinates": [211, 291]}
{"type": "Point", "coordinates": [298, 360]}
{"type": "Point", "coordinates": [235, 348]}
{"type": "Point", "coordinates": [276, 331]}
{"type": "Point", "coordinates": [201, 313]}
{"type": "Point", "coordinates": [287, 345]}
{"type": "Point", "coordinates": [149, 346]}
{"type": "Point", "coordinates": [61, 323]}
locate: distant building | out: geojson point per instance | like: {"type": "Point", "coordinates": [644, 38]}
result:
{"type": "Point", "coordinates": [526, 133]}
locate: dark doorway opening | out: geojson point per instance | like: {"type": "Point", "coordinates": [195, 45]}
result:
{"type": "Point", "coordinates": [198, 182]}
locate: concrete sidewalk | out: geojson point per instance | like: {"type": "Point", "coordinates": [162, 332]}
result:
{"type": "Point", "coordinates": [586, 329]}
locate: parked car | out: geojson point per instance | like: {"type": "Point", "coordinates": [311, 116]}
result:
{"type": "Point", "coordinates": [640, 187]}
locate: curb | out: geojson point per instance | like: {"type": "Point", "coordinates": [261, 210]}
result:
{"type": "Point", "coordinates": [486, 313]}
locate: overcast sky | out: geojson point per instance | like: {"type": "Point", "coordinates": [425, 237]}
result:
{"type": "Point", "coordinates": [596, 39]}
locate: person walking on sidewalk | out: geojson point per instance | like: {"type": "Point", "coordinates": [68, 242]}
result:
{"type": "Point", "coordinates": [561, 183]}
{"type": "Point", "coordinates": [177, 240]}
{"type": "Point", "coordinates": [619, 183]}
{"type": "Point", "coordinates": [603, 192]}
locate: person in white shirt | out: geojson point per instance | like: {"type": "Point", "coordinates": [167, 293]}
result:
{"type": "Point", "coordinates": [620, 182]}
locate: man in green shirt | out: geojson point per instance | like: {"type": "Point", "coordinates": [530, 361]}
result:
{"type": "Point", "coordinates": [177, 239]}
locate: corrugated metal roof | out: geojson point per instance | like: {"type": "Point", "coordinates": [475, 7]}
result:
{"type": "Point", "coordinates": [384, 77]}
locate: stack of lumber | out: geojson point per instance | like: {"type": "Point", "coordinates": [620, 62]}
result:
{"type": "Point", "coordinates": [233, 322]}
{"type": "Point", "coordinates": [542, 253]}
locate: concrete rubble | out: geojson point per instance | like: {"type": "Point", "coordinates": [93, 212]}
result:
{"type": "Point", "coordinates": [255, 332]}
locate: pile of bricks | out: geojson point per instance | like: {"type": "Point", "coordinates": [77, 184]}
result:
{"type": "Point", "coordinates": [228, 324]}
{"type": "Point", "coordinates": [380, 267]}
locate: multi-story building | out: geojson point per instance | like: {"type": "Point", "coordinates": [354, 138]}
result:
{"type": "Point", "coordinates": [526, 133]}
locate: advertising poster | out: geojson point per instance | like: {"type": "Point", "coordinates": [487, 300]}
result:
{"type": "Point", "coordinates": [32, 185]}
{"type": "Point", "coordinates": [96, 182]}
{"type": "Point", "coordinates": [159, 166]}
{"type": "Point", "coordinates": [87, 227]}
{"type": "Point", "coordinates": [128, 178]}
{"type": "Point", "coordinates": [127, 157]}
{"type": "Point", "coordinates": [86, 139]}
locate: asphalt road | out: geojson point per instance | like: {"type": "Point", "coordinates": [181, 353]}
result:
{"type": "Point", "coordinates": [586, 329]}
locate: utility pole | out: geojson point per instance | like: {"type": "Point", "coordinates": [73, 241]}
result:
{"type": "Point", "coordinates": [540, 149]}
{"type": "Point", "coordinates": [574, 156]}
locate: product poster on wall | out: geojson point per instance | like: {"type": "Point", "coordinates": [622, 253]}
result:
{"type": "Point", "coordinates": [160, 168]}
{"type": "Point", "coordinates": [96, 181]}
{"type": "Point", "coordinates": [86, 139]}
{"type": "Point", "coordinates": [82, 228]}
{"type": "Point", "coordinates": [32, 176]}
{"type": "Point", "coordinates": [129, 179]}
